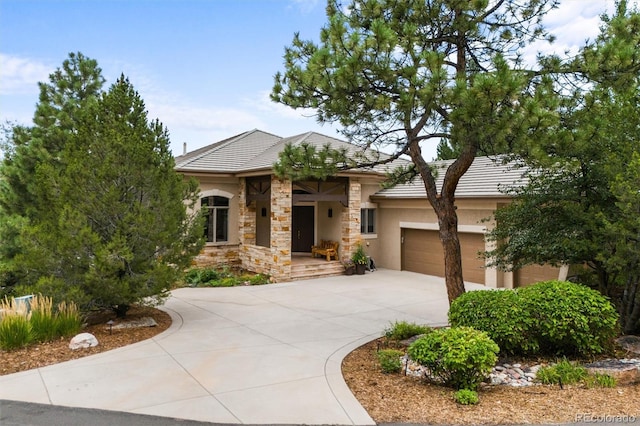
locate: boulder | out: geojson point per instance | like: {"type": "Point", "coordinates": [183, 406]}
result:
{"type": "Point", "coordinates": [142, 322]}
{"type": "Point", "coordinates": [629, 343]}
{"type": "Point", "coordinates": [83, 340]}
{"type": "Point", "coordinates": [625, 371]}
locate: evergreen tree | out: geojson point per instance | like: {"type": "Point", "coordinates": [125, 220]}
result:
{"type": "Point", "coordinates": [580, 206]}
{"type": "Point", "coordinates": [117, 231]}
{"type": "Point", "coordinates": [403, 73]}
{"type": "Point", "coordinates": [72, 87]}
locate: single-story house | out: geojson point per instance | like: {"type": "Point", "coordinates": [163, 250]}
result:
{"type": "Point", "coordinates": [269, 225]}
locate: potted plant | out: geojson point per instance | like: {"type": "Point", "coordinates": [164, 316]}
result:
{"type": "Point", "coordinates": [359, 258]}
{"type": "Point", "coordinates": [349, 267]}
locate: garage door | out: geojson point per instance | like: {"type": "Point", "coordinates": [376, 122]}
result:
{"type": "Point", "coordinates": [422, 252]}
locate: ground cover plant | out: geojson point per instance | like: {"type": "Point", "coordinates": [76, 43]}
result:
{"type": "Point", "coordinates": [223, 276]}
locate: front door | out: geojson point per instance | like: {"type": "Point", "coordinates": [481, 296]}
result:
{"type": "Point", "coordinates": [302, 234]}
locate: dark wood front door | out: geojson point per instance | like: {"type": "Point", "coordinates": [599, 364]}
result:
{"type": "Point", "coordinates": [302, 229]}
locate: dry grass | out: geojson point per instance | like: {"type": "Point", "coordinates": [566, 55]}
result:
{"type": "Point", "coordinates": [392, 398]}
{"type": "Point", "coordinates": [40, 355]}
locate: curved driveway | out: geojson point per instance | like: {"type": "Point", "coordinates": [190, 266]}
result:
{"type": "Point", "coordinates": [264, 354]}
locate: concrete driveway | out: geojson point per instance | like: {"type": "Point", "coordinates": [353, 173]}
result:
{"type": "Point", "coordinates": [264, 354]}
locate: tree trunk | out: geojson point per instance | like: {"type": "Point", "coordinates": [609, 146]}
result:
{"type": "Point", "coordinates": [448, 223]}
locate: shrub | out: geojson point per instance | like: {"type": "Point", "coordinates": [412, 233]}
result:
{"type": "Point", "coordinates": [43, 323]}
{"type": "Point", "coordinates": [553, 317]}
{"type": "Point", "coordinates": [401, 330]}
{"type": "Point", "coordinates": [500, 314]}
{"type": "Point", "coordinates": [562, 373]}
{"type": "Point", "coordinates": [15, 329]}
{"type": "Point", "coordinates": [466, 397]}
{"type": "Point", "coordinates": [390, 360]}
{"type": "Point", "coordinates": [68, 321]}
{"type": "Point", "coordinates": [259, 279]}
{"type": "Point", "coordinates": [570, 318]}
{"type": "Point", "coordinates": [460, 357]}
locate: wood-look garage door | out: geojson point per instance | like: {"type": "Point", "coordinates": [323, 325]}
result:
{"type": "Point", "coordinates": [422, 252]}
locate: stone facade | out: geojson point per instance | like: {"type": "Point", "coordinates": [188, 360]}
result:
{"type": "Point", "coordinates": [350, 221]}
{"type": "Point", "coordinates": [281, 229]}
{"type": "Point", "coordinates": [217, 255]}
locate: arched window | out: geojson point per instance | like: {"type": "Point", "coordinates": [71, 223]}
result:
{"type": "Point", "coordinates": [216, 228]}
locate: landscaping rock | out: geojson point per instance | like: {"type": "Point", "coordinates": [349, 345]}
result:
{"type": "Point", "coordinates": [630, 343]}
{"type": "Point", "coordinates": [142, 322]}
{"type": "Point", "coordinates": [82, 341]}
{"type": "Point", "coordinates": [625, 371]}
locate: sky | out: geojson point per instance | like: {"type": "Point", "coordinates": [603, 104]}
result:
{"type": "Point", "coordinates": [204, 68]}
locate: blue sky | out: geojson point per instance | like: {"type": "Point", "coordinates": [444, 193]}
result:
{"type": "Point", "coordinates": [204, 68]}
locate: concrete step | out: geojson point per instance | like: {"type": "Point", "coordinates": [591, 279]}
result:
{"type": "Point", "coordinates": [315, 269]}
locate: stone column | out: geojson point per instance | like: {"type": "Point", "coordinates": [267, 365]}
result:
{"type": "Point", "coordinates": [350, 221]}
{"type": "Point", "coordinates": [247, 221]}
{"type": "Point", "coordinates": [281, 212]}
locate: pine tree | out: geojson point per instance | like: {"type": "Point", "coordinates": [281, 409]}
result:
{"type": "Point", "coordinates": [117, 231]}
{"type": "Point", "coordinates": [403, 73]}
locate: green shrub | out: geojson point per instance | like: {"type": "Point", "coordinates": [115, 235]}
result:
{"type": "Point", "coordinates": [466, 397]}
{"type": "Point", "coordinates": [223, 282]}
{"type": "Point", "coordinates": [198, 276]}
{"type": "Point", "coordinates": [390, 360]}
{"type": "Point", "coordinates": [564, 373]}
{"type": "Point", "coordinates": [551, 317]}
{"type": "Point", "coordinates": [500, 314]}
{"type": "Point", "coordinates": [401, 330]}
{"type": "Point", "coordinates": [259, 279]}
{"type": "Point", "coordinates": [15, 330]}
{"type": "Point", "coordinates": [570, 318]}
{"type": "Point", "coordinates": [460, 357]}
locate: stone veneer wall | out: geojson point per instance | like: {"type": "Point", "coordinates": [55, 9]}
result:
{"type": "Point", "coordinates": [217, 255]}
{"type": "Point", "coordinates": [350, 219]}
{"type": "Point", "coordinates": [274, 260]}
{"type": "Point", "coordinates": [280, 229]}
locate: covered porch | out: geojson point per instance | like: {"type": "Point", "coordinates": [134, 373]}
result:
{"type": "Point", "coordinates": [281, 220]}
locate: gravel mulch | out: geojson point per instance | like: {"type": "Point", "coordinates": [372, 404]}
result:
{"type": "Point", "coordinates": [40, 355]}
{"type": "Point", "coordinates": [390, 398]}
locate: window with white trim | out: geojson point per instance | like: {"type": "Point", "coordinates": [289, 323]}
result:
{"type": "Point", "coordinates": [367, 221]}
{"type": "Point", "coordinates": [216, 227]}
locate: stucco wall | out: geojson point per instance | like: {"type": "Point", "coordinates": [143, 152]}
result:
{"type": "Point", "coordinates": [392, 212]}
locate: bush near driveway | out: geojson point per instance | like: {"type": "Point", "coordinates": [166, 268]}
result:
{"type": "Point", "coordinates": [550, 317]}
{"type": "Point", "coordinates": [460, 357]}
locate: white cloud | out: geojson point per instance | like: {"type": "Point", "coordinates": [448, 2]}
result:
{"type": "Point", "coordinates": [305, 6]}
{"type": "Point", "coordinates": [20, 75]}
{"type": "Point", "coordinates": [263, 103]}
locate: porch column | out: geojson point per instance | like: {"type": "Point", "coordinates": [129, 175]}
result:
{"type": "Point", "coordinates": [350, 220]}
{"type": "Point", "coordinates": [247, 222]}
{"type": "Point", "coordinates": [281, 229]}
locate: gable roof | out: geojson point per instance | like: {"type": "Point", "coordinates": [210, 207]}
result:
{"type": "Point", "coordinates": [229, 155]}
{"type": "Point", "coordinates": [257, 150]}
{"type": "Point", "coordinates": [486, 177]}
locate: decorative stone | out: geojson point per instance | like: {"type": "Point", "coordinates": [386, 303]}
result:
{"type": "Point", "coordinates": [630, 343]}
{"type": "Point", "coordinates": [625, 371]}
{"type": "Point", "coordinates": [142, 322]}
{"type": "Point", "coordinates": [82, 341]}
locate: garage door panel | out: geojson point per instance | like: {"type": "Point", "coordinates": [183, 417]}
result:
{"type": "Point", "coordinates": [422, 252]}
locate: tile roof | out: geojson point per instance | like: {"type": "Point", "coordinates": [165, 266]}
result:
{"type": "Point", "coordinates": [255, 150]}
{"type": "Point", "coordinates": [486, 177]}
{"type": "Point", "coordinates": [229, 155]}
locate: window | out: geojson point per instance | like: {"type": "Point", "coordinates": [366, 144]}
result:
{"type": "Point", "coordinates": [216, 227]}
{"type": "Point", "coordinates": [367, 221]}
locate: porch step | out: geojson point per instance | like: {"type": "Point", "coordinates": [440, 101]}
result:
{"type": "Point", "coordinates": [316, 269]}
